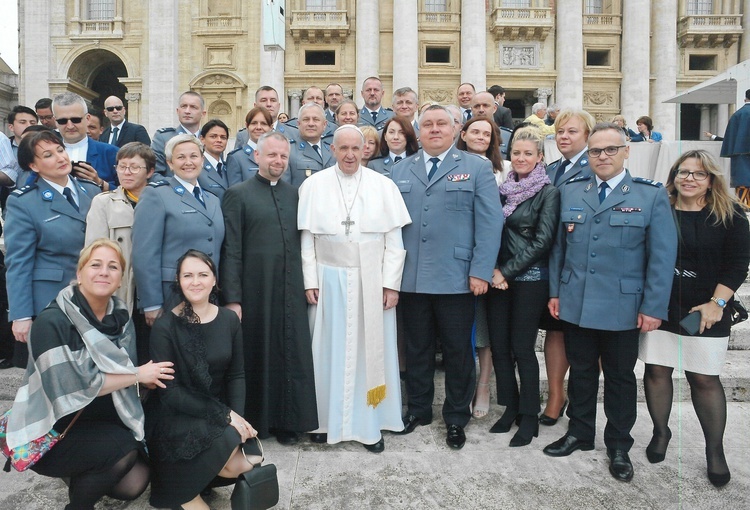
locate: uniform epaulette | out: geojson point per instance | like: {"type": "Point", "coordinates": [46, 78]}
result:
{"type": "Point", "coordinates": [580, 178]}
{"type": "Point", "coordinates": [643, 180]}
{"type": "Point", "coordinates": [241, 130]}
{"type": "Point", "coordinates": [235, 150]}
{"type": "Point", "coordinates": [165, 130]}
{"type": "Point", "coordinates": [87, 181]}
{"type": "Point", "coordinates": [388, 109]}
{"type": "Point", "coordinates": [22, 191]}
{"type": "Point", "coordinates": [157, 184]}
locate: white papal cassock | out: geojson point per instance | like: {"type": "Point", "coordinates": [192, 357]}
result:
{"type": "Point", "coordinates": [353, 338]}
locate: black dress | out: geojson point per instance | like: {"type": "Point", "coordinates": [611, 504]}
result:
{"type": "Point", "coordinates": [187, 424]}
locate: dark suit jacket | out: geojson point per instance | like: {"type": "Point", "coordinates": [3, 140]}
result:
{"type": "Point", "coordinates": [503, 117]}
{"type": "Point", "coordinates": [103, 157]}
{"type": "Point", "coordinates": [129, 132]}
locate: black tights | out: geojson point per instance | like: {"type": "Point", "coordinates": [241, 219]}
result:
{"type": "Point", "coordinates": [125, 480]}
{"type": "Point", "coordinates": [710, 405]}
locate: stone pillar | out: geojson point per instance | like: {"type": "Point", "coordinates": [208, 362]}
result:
{"type": "Point", "coordinates": [634, 91]}
{"type": "Point", "coordinates": [405, 46]}
{"type": "Point", "coordinates": [35, 51]}
{"type": "Point", "coordinates": [722, 119]}
{"type": "Point", "coordinates": [543, 95]}
{"type": "Point", "coordinates": [271, 69]}
{"type": "Point", "coordinates": [474, 43]}
{"type": "Point", "coordinates": [745, 39]}
{"type": "Point", "coordinates": [705, 119]}
{"type": "Point", "coordinates": [367, 33]}
{"type": "Point", "coordinates": [162, 87]}
{"type": "Point", "coordinates": [569, 61]}
{"type": "Point", "coordinates": [664, 65]}
{"type": "Point", "coordinates": [294, 101]}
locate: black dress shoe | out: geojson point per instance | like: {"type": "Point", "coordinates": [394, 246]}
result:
{"type": "Point", "coordinates": [286, 437]}
{"type": "Point", "coordinates": [6, 363]}
{"type": "Point", "coordinates": [719, 479]}
{"type": "Point", "coordinates": [456, 437]}
{"type": "Point", "coordinates": [410, 423]}
{"type": "Point", "coordinates": [319, 438]}
{"type": "Point", "coordinates": [620, 466]}
{"type": "Point", "coordinates": [567, 445]}
{"type": "Point", "coordinates": [546, 420]}
{"type": "Point", "coordinates": [376, 447]}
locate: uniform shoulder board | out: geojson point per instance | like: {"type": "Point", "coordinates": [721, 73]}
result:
{"type": "Point", "coordinates": [580, 178]}
{"type": "Point", "coordinates": [157, 184]}
{"type": "Point", "coordinates": [87, 181]}
{"type": "Point", "coordinates": [236, 149]}
{"type": "Point", "coordinates": [643, 180]}
{"type": "Point", "coordinates": [388, 109]}
{"type": "Point", "coordinates": [241, 130]}
{"type": "Point", "coordinates": [22, 191]}
{"type": "Point", "coordinates": [166, 130]}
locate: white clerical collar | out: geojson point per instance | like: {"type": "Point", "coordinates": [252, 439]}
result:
{"type": "Point", "coordinates": [197, 134]}
{"type": "Point", "coordinates": [211, 159]}
{"type": "Point", "coordinates": [189, 187]}
{"type": "Point", "coordinates": [613, 182]}
{"type": "Point", "coordinates": [60, 189]}
{"type": "Point", "coordinates": [428, 163]}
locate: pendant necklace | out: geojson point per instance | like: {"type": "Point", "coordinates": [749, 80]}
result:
{"type": "Point", "coordinates": [348, 222]}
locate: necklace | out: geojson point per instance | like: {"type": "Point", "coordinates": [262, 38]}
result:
{"type": "Point", "coordinates": [348, 222]}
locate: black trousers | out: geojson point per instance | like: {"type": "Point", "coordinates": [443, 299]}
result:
{"type": "Point", "coordinates": [618, 351]}
{"type": "Point", "coordinates": [450, 317]}
{"type": "Point", "coordinates": [513, 321]}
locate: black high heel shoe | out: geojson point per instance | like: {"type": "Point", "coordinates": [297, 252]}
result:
{"type": "Point", "coordinates": [717, 479]}
{"type": "Point", "coordinates": [653, 455]}
{"type": "Point", "coordinates": [527, 430]}
{"type": "Point", "coordinates": [503, 425]}
{"type": "Point", "coordinates": [546, 420]}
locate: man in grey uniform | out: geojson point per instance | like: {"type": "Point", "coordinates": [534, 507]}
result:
{"type": "Point", "coordinates": [611, 272]}
{"type": "Point", "coordinates": [310, 153]}
{"type": "Point", "coordinates": [373, 113]}
{"type": "Point", "coordinates": [191, 109]}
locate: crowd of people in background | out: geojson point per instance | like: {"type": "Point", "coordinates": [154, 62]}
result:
{"type": "Point", "coordinates": [293, 284]}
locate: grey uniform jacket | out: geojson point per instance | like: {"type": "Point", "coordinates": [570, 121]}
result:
{"type": "Point", "coordinates": [44, 235]}
{"type": "Point", "coordinates": [241, 165]}
{"type": "Point", "coordinates": [304, 161]}
{"type": "Point", "coordinates": [210, 180]}
{"type": "Point", "coordinates": [365, 117]}
{"type": "Point", "coordinates": [581, 167]}
{"type": "Point", "coordinates": [457, 221]}
{"type": "Point", "coordinates": [169, 221]}
{"type": "Point", "coordinates": [382, 165]}
{"type": "Point", "coordinates": [613, 260]}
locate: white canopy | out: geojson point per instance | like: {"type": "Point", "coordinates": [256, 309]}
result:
{"type": "Point", "coordinates": [726, 88]}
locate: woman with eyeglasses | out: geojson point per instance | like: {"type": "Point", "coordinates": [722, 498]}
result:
{"type": "Point", "coordinates": [712, 262]}
{"type": "Point", "coordinates": [44, 232]}
{"type": "Point", "coordinates": [111, 216]}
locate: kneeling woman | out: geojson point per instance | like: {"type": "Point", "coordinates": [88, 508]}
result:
{"type": "Point", "coordinates": [85, 338]}
{"type": "Point", "coordinates": [195, 425]}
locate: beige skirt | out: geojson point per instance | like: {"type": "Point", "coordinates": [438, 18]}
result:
{"type": "Point", "coordinates": [698, 354]}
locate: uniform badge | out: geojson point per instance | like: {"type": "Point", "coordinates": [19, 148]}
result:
{"type": "Point", "coordinates": [207, 166]}
{"type": "Point", "coordinates": [179, 190]}
{"type": "Point", "coordinates": [308, 172]}
{"type": "Point", "coordinates": [458, 177]}
{"type": "Point", "coordinates": [47, 195]}
{"type": "Point", "coordinates": [455, 156]}
{"type": "Point", "coordinates": [625, 188]}
{"type": "Point", "coordinates": [248, 149]}
{"type": "Point", "coordinates": [584, 162]}
{"type": "Point", "coordinates": [387, 160]}
{"type": "Point", "coordinates": [571, 227]}
{"type": "Point", "coordinates": [589, 186]}
{"type": "Point", "coordinates": [302, 145]}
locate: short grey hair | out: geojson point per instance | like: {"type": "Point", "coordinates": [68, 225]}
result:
{"type": "Point", "coordinates": [403, 91]}
{"type": "Point", "coordinates": [179, 140]}
{"type": "Point", "coordinates": [553, 109]}
{"type": "Point", "coordinates": [271, 134]}
{"type": "Point", "coordinates": [604, 126]}
{"type": "Point", "coordinates": [537, 107]}
{"type": "Point", "coordinates": [193, 94]}
{"type": "Point", "coordinates": [345, 127]}
{"type": "Point", "coordinates": [311, 105]}
{"type": "Point", "coordinates": [68, 99]}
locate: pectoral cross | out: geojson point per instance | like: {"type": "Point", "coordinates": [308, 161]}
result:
{"type": "Point", "coordinates": [347, 223]}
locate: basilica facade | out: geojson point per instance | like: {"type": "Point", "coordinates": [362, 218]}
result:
{"type": "Point", "coordinates": [607, 56]}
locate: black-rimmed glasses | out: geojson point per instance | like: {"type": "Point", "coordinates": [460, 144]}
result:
{"type": "Point", "coordinates": [609, 151]}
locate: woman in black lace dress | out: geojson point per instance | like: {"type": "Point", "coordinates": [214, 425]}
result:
{"type": "Point", "coordinates": [195, 425]}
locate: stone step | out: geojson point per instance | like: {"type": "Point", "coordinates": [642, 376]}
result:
{"type": "Point", "coordinates": [735, 377]}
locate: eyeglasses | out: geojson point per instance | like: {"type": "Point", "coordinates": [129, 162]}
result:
{"type": "Point", "coordinates": [113, 108]}
{"type": "Point", "coordinates": [609, 151]}
{"type": "Point", "coordinates": [698, 175]}
{"type": "Point", "coordinates": [45, 118]}
{"type": "Point", "coordinates": [74, 120]}
{"type": "Point", "coordinates": [133, 169]}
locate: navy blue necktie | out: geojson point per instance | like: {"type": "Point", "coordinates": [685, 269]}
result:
{"type": "Point", "coordinates": [374, 117]}
{"type": "Point", "coordinates": [69, 197]}
{"type": "Point", "coordinates": [434, 168]}
{"type": "Point", "coordinates": [219, 169]}
{"type": "Point", "coordinates": [198, 196]}
{"type": "Point", "coordinates": [561, 171]}
{"type": "Point", "coordinates": [603, 191]}
{"type": "Point", "coordinates": [317, 150]}
{"type": "Point", "coordinates": [397, 159]}
{"type": "Point", "coordinates": [114, 136]}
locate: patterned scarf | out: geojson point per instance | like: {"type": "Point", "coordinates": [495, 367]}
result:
{"type": "Point", "coordinates": [61, 381]}
{"type": "Point", "coordinates": [516, 192]}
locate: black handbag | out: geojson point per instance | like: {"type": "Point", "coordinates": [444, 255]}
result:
{"type": "Point", "coordinates": [737, 310]}
{"type": "Point", "coordinates": [258, 489]}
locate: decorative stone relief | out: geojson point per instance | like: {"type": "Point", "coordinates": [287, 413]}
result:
{"type": "Point", "coordinates": [438, 95]}
{"type": "Point", "coordinates": [598, 98]}
{"type": "Point", "coordinates": [220, 56]}
{"type": "Point", "coordinates": [132, 96]}
{"type": "Point", "coordinates": [217, 80]}
{"type": "Point", "coordinates": [519, 56]}
{"type": "Point", "coordinates": [219, 108]}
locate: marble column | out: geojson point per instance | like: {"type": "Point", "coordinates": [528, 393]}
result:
{"type": "Point", "coordinates": [634, 91]}
{"type": "Point", "coordinates": [405, 46]}
{"type": "Point", "coordinates": [664, 65]}
{"type": "Point", "coordinates": [745, 39]}
{"type": "Point", "coordinates": [34, 19]}
{"type": "Point", "coordinates": [474, 43]}
{"type": "Point", "coordinates": [295, 95]}
{"type": "Point", "coordinates": [368, 42]}
{"type": "Point", "coordinates": [722, 119]}
{"type": "Point", "coordinates": [271, 69]}
{"type": "Point", "coordinates": [543, 95]}
{"type": "Point", "coordinates": [569, 58]}
{"type": "Point", "coordinates": [162, 87]}
{"type": "Point", "coordinates": [705, 122]}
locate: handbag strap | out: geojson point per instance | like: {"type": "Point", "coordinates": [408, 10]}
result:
{"type": "Point", "coordinates": [260, 447]}
{"type": "Point", "coordinates": [62, 436]}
